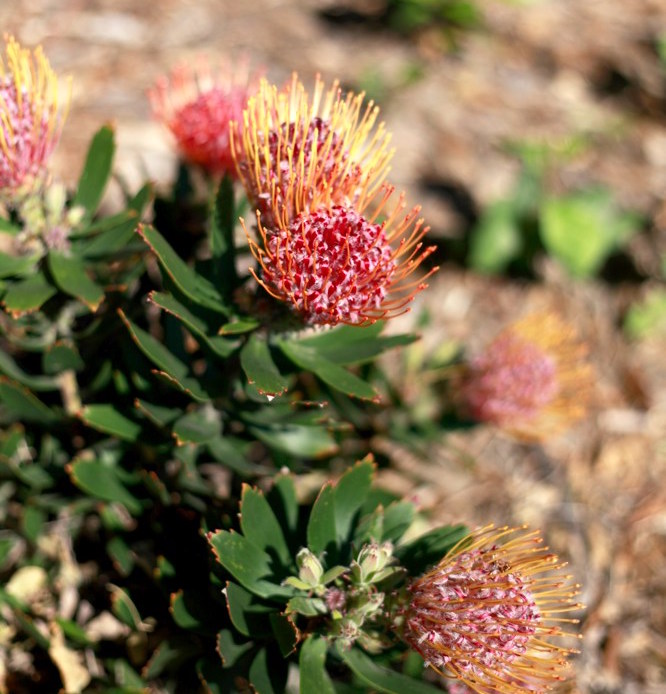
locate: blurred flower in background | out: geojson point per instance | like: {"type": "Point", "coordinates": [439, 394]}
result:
{"type": "Point", "coordinates": [30, 119]}
{"type": "Point", "coordinates": [485, 614]}
{"type": "Point", "coordinates": [197, 104]}
{"type": "Point", "coordinates": [532, 381]}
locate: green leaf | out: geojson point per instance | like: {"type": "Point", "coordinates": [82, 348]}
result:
{"type": "Point", "coordinates": [497, 238]}
{"type": "Point", "coordinates": [109, 241]}
{"type": "Point", "coordinates": [308, 607]}
{"type": "Point", "coordinates": [187, 281]}
{"type": "Point", "coordinates": [121, 555]}
{"type": "Point", "coordinates": [260, 368]}
{"type": "Point", "coordinates": [261, 527]}
{"type": "Point", "coordinates": [102, 481]}
{"type": "Point", "coordinates": [247, 563]}
{"type": "Point", "coordinates": [96, 171]}
{"type": "Point", "coordinates": [229, 649]}
{"type": "Point", "coordinates": [218, 345]}
{"type": "Point", "coordinates": [321, 532]}
{"type": "Point", "coordinates": [382, 679]}
{"type": "Point", "coordinates": [268, 675]}
{"type": "Point", "coordinates": [28, 294]}
{"type": "Point", "coordinates": [238, 327]}
{"type": "Point", "coordinates": [61, 357]}
{"type": "Point", "coordinates": [24, 405]}
{"type": "Point", "coordinates": [9, 368]}
{"type": "Point", "coordinates": [312, 667]}
{"type": "Point", "coordinates": [189, 612]}
{"type": "Point", "coordinates": [425, 551]}
{"type": "Point", "coordinates": [398, 517]}
{"type": "Point", "coordinates": [173, 369]}
{"type": "Point", "coordinates": [198, 426]}
{"type": "Point", "coordinates": [18, 265]}
{"type": "Point", "coordinates": [283, 501]}
{"type": "Point", "coordinates": [158, 414]}
{"type": "Point", "coordinates": [223, 222]}
{"type": "Point", "coordinates": [300, 441]}
{"type": "Point", "coordinates": [7, 227]}
{"type": "Point", "coordinates": [33, 522]}
{"type": "Point", "coordinates": [107, 419]}
{"type": "Point", "coordinates": [350, 493]}
{"type": "Point", "coordinates": [231, 453]}
{"type": "Point", "coordinates": [582, 229]}
{"type": "Point", "coordinates": [333, 375]}
{"type": "Point", "coordinates": [124, 608]}
{"type": "Point", "coordinates": [648, 316]}
{"type": "Point", "coordinates": [285, 632]}
{"type": "Point", "coordinates": [248, 616]}
{"type": "Point", "coordinates": [351, 344]}
{"type": "Point", "coordinates": [69, 273]}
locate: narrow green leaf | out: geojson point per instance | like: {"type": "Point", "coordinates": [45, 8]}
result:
{"type": "Point", "coordinates": [283, 501]}
{"type": "Point", "coordinates": [231, 452]}
{"type": "Point", "coordinates": [28, 294]}
{"type": "Point", "coordinates": [107, 419]}
{"type": "Point", "coordinates": [165, 360]}
{"type": "Point", "coordinates": [261, 527]}
{"type": "Point", "coordinates": [24, 405]}
{"type": "Point", "coordinates": [321, 532]}
{"type": "Point", "coordinates": [96, 171]}
{"type": "Point", "coordinates": [158, 414]}
{"type": "Point", "coordinates": [189, 612]}
{"type": "Point", "coordinates": [102, 481]}
{"type": "Point", "coordinates": [298, 441]}
{"type": "Point", "coordinates": [351, 344]}
{"type": "Point", "coordinates": [218, 345]}
{"type": "Point", "coordinates": [69, 273]}
{"type": "Point", "coordinates": [382, 679]}
{"type": "Point", "coordinates": [312, 667]}
{"type": "Point", "coordinates": [350, 493]}
{"type": "Point", "coordinates": [332, 374]}
{"type": "Point", "coordinates": [238, 327]}
{"type": "Point", "coordinates": [223, 222]}
{"type": "Point", "coordinates": [260, 368]}
{"type": "Point", "coordinates": [193, 286]}
{"type": "Point", "coordinates": [109, 241]}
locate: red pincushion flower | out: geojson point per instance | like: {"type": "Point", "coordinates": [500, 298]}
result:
{"type": "Point", "coordinates": [30, 120]}
{"type": "Point", "coordinates": [337, 265]}
{"type": "Point", "coordinates": [482, 613]}
{"type": "Point", "coordinates": [198, 106]}
{"type": "Point", "coordinates": [295, 153]}
{"type": "Point", "coordinates": [532, 380]}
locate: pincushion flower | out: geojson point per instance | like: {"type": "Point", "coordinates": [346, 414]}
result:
{"type": "Point", "coordinates": [532, 380]}
{"type": "Point", "coordinates": [339, 264]}
{"type": "Point", "coordinates": [291, 148]}
{"type": "Point", "coordinates": [30, 118]}
{"type": "Point", "coordinates": [197, 105]}
{"type": "Point", "coordinates": [487, 612]}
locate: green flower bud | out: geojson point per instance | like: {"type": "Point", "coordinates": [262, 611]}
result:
{"type": "Point", "coordinates": [372, 559]}
{"type": "Point", "coordinates": [310, 568]}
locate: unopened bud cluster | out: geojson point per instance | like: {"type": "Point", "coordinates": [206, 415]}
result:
{"type": "Point", "coordinates": [349, 599]}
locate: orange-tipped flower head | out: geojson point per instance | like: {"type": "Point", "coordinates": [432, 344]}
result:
{"type": "Point", "coordinates": [486, 613]}
{"type": "Point", "coordinates": [293, 149]}
{"type": "Point", "coordinates": [532, 380]}
{"type": "Point", "coordinates": [197, 105]}
{"type": "Point", "coordinates": [338, 264]}
{"type": "Point", "coordinates": [30, 120]}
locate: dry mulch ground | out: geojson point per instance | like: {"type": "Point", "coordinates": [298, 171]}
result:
{"type": "Point", "coordinates": [542, 70]}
